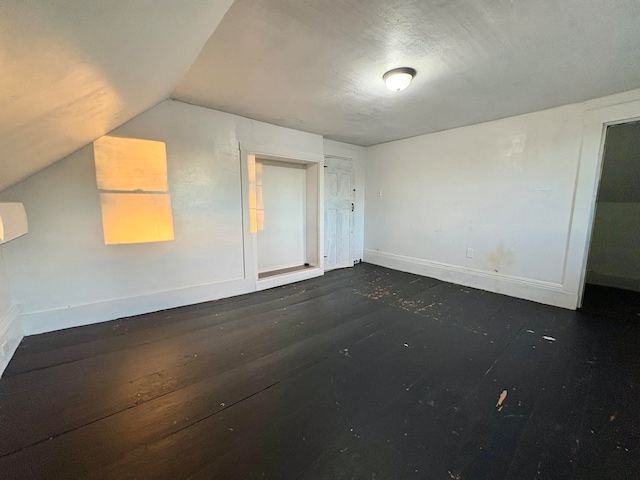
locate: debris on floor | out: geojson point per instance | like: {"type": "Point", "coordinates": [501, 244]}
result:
{"type": "Point", "coordinates": [499, 405]}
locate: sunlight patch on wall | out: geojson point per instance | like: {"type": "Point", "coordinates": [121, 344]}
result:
{"type": "Point", "coordinates": [256, 205]}
{"type": "Point", "coordinates": [130, 164]}
{"type": "Point", "coordinates": [136, 218]}
{"type": "Point", "coordinates": [132, 176]}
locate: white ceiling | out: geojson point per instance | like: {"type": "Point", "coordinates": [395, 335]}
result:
{"type": "Point", "coordinates": [72, 70]}
{"type": "Point", "coordinates": [317, 65]}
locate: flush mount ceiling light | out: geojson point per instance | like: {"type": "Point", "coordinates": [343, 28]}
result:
{"type": "Point", "coordinates": [399, 78]}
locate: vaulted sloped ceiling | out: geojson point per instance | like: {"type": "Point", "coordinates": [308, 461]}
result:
{"type": "Point", "coordinates": [317, 65]}
{"type": "Point", "coordinates": [72, 70]}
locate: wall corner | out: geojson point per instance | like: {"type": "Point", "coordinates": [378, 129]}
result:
{"type": "Point", "coordinates": [11, 334]}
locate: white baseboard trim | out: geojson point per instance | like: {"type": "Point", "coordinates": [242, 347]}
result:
{"type": "Point", "coordinates": [11, 333]}
{"type": "Point", "coordinates": [77, 315]}
{"type": "Point", "coordinates": [286, 278]}
{"type": "Point", "coordinates": [526, 288]}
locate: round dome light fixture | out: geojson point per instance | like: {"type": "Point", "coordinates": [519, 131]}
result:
{"type": "Point", "coordinates": [399, 78]}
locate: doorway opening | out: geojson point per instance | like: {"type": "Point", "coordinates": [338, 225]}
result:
{"type": "Point", "coordinates": [612, 279]}
{"type": "Point", "coordinates": [283, 216]}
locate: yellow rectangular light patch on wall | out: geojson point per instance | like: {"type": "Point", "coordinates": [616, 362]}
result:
{"type": "Point", "coordinates": [135, 218]}
{"type": "Point", "coordinates": [131, 174]}
{"type": "Point", "coordinates": [130, 164]}
{"type": "Point", "coordinates": [256, 206]}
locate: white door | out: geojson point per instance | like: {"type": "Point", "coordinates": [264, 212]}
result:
{"type": "Point", "coordinates": [339, 183]}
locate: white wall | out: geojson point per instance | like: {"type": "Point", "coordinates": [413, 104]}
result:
{"type": "Point", "coordinates": [5, 294]}
{"type": "Point", "coordinates": [10, 327]}
{"type": "Point", "coordinates": [359, 157]}
{"type": "Point", "coordinates": [63, 275]}
{"type": "Point", "coordinates": [505, 189]}
{"type": "Point", "coordinates": [282, 242]}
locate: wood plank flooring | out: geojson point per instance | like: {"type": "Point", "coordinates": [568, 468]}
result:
{"type": "Point", "coordinates": [364, 373]}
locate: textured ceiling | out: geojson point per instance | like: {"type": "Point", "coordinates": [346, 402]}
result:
{"type": "Point", "coordinates": [317, 65]}
{"type": "Point", "coordinates": [72, 70]}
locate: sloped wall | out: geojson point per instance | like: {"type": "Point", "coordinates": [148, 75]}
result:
{"type": "Point", "coordinates": [63, 275]}
{"type": "Point", "coordinates": [76, 69]}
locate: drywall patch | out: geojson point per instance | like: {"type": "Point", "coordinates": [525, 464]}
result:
{"type": "Point", "coordinates": [514, 148]}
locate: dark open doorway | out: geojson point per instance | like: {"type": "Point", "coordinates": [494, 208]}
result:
{"type": "Point", "coordinates": [613, 266]}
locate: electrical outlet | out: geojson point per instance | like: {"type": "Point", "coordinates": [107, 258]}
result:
{"type": "Point", "coordinates": [469, 252]}
{"type": "Point", "coordinates": [380, 193]}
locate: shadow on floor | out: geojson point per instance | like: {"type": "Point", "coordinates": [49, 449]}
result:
{"type": "Point", "coordinates": [612, 303]}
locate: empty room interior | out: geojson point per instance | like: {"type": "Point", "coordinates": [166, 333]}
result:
{"type": "Point", "coordinates": [330, 239]}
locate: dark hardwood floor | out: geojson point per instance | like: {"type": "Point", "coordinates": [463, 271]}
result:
{"type": "Point", "coordinates": [364, 373]}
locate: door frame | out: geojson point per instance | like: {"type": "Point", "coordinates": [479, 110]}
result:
{"type": "Point", "coordinates": [596, 122]}
{"type": "Point", "coordinates": [315, 213]}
